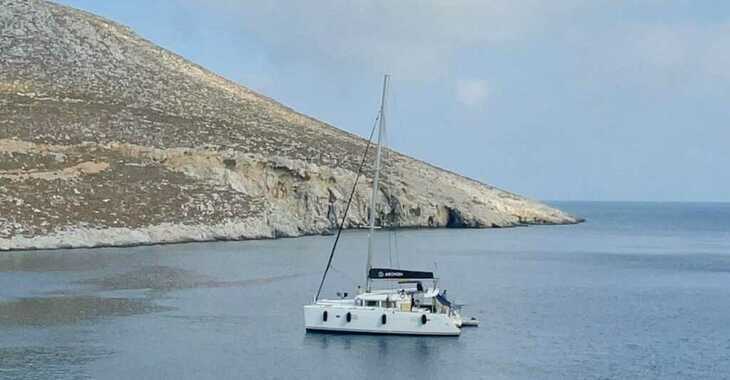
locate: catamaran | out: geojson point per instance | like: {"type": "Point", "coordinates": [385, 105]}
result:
{"type": "Point", "coordinates": [408, 302]}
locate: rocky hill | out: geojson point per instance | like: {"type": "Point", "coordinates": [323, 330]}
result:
{"type": "Point", "coordinates": [107, 139]}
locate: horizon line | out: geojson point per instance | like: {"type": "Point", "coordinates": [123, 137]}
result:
{"type": "Point", "coordinates": [632, 201]}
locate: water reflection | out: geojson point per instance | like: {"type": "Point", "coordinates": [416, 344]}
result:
{"type": "Point", "coordinates": [166, 278]}
{"type": "Point", "coordinates": [65, 261]}
{"type": "Point", "coordinates": [150, 277]}
{"type": "Point", "coordinates": [47, 311]}
{"type": "Point", "coordinates": [410, 354]}
{"type": "Point", "coordinates": [43, 362]}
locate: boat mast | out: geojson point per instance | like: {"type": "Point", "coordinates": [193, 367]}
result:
{"type": "Point", "coordinates": [373, 197]}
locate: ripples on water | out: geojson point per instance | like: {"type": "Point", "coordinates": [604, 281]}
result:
{"type": "Point", "coordinates": [639, 291]}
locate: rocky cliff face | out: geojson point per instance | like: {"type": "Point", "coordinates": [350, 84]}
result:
{"type": "Point", "coordinates": [107, 139]}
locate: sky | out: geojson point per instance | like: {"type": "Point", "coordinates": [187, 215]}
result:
{"type": "Point", "coordinates": [556, 100]}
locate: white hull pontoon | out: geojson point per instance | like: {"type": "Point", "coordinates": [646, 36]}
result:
{"type": "Point", "coordinates": [404, 312]}
{"type": "Point", "coordinates": [369, 320]}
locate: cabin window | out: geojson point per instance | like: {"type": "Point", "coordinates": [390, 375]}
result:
{"type": "Point", "coordinates": [371, 303]}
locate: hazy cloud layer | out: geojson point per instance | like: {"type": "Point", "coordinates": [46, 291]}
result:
{"type": "Point", "coordinates": [410, 39]}
{"type": "Point", "coordinates": [420, 39]}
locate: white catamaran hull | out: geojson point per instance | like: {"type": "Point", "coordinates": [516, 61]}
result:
{"type": "Point", "coordinates": [369, 320]}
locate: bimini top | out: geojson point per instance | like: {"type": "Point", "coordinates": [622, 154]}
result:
{"type": "Point", "coordinates": [398, 274]}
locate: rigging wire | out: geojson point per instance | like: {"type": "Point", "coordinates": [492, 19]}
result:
{"type": "Point", "coordinates": [347, 208]}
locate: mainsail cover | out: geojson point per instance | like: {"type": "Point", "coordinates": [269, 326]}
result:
{"type": "Point", "coordinates": [398, 274]}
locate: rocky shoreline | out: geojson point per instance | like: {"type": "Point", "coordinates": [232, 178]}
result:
{"type": "Point", "coordinates": [125, 237]}
{"type": "Point", "coordinates": [151, 236]}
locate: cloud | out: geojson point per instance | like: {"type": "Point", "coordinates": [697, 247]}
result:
{"type": "Point", "coordinates": [422, 40]}
{"type": "Point", "coordinates": [412, 39]}
{"type": "Point", "coordinates": [657, 54]}
{"type": "Point", "coordinates": [472, 92]}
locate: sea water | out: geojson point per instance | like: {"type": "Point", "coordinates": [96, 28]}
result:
{"type": "Point", "coordinates": [641, 290]}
